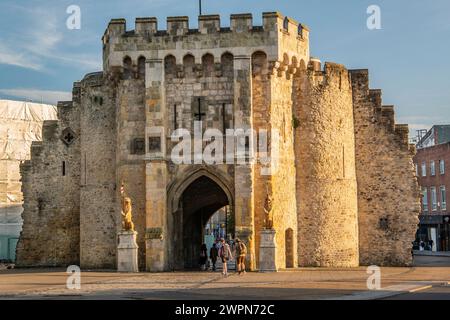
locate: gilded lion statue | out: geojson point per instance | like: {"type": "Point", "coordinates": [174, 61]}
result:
{"type": "Point", "coordinates": [127, 223]}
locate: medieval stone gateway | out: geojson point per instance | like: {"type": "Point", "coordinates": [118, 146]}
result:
{"type": "Point", "coordinates": [344, 193]}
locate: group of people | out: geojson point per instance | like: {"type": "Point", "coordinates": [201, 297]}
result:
{"type": "Point", "coordinates": [223, 251]}
{"type": "Point", "coordinates": [426, 245]}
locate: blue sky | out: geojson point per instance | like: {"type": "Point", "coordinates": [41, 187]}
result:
{"type": "Point", "coordinates": [409, 58]}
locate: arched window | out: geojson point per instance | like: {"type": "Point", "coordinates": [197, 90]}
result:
{"type": "Point", "coordinates": [300, 30]}
{"type": "Point", "coordinates": [227, 62]}
{"type": "Point", "coordinates": [208, 65]}
{"type": "Point", "coordinates": [286, 24]}
{"type": "Point", "coordinates": [170, 66]}
{"type": "Point", "coordinates": [286, 60]}
{"type": "Point", "coordinates": [141, 67]}
{"type": "Point", "coordinates": [127, 68]}
{"type": "Point", "coordinates": [189, 64]}
{"type": "Point", "coordinates": [259, 63]}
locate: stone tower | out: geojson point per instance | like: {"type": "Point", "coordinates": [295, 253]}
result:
{"type": "Point", "coordinates": [159, 86]}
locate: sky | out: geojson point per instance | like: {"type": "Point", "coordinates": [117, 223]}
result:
{"type": "Point", "coordinates": [409, 57]}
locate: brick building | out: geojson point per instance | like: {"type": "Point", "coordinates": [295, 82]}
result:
{"type": "Point", "coordinates": [432, 164]}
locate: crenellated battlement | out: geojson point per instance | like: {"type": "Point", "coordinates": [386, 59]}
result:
{"type": "Point", "coordinates": [379, 113]}
{"type": "Point", "coordinates": [332, 74]}
{"type": "Point", "coordinates": [207, 24]}
{"type": "Point", "coordinates": [278, 35]}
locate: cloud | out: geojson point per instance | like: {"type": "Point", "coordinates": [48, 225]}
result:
{"type": "Point", "coordinates": [36, 95]}
{"type": "Point", "coordinates": [9, 57]}
{"type": "Point", "coordinates": [43, 41]}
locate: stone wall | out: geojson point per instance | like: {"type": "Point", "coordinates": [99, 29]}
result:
{"type": "Point", "coordinates": [326, 180]}
{"type": "Point", "coordinates": [130, 155]}
{"type": "Point", "coordinates": [51, 229]}
{"type": "Point", "coordinates": [388, 193]}
{"type": "Point", "coordinates": [261, 95]}
{"type": "Point", "coordinates": [98, 208]}
{"type": "Point", "coordinates": [283, 180]}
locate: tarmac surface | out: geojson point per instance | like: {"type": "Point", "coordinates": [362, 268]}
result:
{"type": "Point", "coordinates": [428, 279]}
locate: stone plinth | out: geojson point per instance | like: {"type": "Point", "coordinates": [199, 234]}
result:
{"type": "Point", "coordinates": [127, 252]}
{"type": "Point", "coordinates": [267, 251]}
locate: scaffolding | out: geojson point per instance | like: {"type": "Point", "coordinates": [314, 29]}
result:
{"type": "Point", "coordinates": [20, 125]}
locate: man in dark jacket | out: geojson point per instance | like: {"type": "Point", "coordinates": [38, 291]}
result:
{"type": "Point", "coordinates": [213, 254]}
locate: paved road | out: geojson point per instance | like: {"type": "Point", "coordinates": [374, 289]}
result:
{"type": "Point", "coordinates": [305, 283]}
{"type": "Point", "coordinates": [302, 283]}
{"type": "Point", "coordinates": [431, 261]}
{"type": "Point", "coordinates": [435, 293]}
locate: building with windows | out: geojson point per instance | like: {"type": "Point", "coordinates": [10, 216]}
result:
{"type": "Point", "coordinates": [432, 168]}
{"type": "Point", "coordinates": [438, 134]}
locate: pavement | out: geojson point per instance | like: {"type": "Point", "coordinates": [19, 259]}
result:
{"type": "Point", "coordinates": [422, 280]}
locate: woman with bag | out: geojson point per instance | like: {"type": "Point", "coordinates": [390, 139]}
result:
{"type": "Point", "coordinates": [225, 255]}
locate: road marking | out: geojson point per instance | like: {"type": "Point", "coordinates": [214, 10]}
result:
{"type": "Point", "coordinates": [386, 292]}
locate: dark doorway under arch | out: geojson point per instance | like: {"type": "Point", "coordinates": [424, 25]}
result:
{"type": "Point", "coordinates": [198, 202]}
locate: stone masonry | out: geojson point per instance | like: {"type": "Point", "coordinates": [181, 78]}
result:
{"type": "Point", "coordinates": [345, 167]}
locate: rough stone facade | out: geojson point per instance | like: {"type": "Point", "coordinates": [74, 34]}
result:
{"type": "Point", "coordinates": [156, 83]}
{"type": "Point", "coordinates": [326, 177]}
{"type": "Point", "coordinates": [387, 202]}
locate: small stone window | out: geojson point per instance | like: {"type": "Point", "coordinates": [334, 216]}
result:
{"type": "Point", "coordinates": [127, 68]}
{"type": "Point", "coordinates": [138, 146]}
{"type": "Point", "coordinates": [40, 204]}
{"type": "Point", "coordinates": [286, 24]}
{"type": "Point", "coordinates": [300, 30]}
{"type": "Point", "coordinates": [98, 100]}
{"type": "Point", "coordinates": [141, 68]}
{"type": "Point", "coordinates": [383, 223]}
{"type": "Point", "coordinates": [154, 144]}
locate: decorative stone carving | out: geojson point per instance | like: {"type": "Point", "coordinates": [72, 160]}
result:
{"type": "Point", "coordinates": [68, 136]}
{"type": "Point", "coordinates": [172, 167]}
{"type": "Point", "coordinates": [268, 212]}
{"type": "Point", "coordinates": [154, 234]}
{"type": "Point", "coordinates": [127, 223]}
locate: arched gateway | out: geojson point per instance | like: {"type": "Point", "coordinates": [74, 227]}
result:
{"type": "Point", "coordinates": [191, 202]}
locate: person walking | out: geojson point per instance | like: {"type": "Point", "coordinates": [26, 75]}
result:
{"type": "Point", "coordinates": [430, 243]}
{"type": "Point", "coordinates": [203, 256]}
{"type": "Point", "coordinates": [241, 252]}
{"type": "Point", "coordinates": [225, 256]}
{"type": "Point", "coordinates": [213, 254]}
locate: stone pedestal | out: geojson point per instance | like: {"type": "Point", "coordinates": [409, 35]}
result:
{"type": "Point", "coordinates": [127, 252]}
{"type": "Point", "coordinates": [267, 251]}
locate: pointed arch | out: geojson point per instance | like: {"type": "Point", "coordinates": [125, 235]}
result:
{"type": "Point", "coordinates": [189, 64]}
{"type": "Point", "coordinates": [227, 62]}
{"type": "Point", "coordinates": [170, 66]}
{"type": "Point", "coordinates": [208, 64]}
{"type": "Point", "coordinates": [127, 64]}
{"type": "Point", "coordinates": [259, 63]}
{"type": "Point", "coordinates": [141, 67]}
